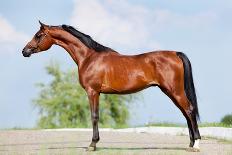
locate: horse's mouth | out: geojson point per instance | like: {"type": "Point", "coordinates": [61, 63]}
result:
{"type": "Point", "coordinates": [25, 54]}
{"type": "Point", "coordinates": [28, 52]}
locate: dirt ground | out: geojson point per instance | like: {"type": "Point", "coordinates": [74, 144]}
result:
{"type": "Point", "coordinates": [75, 142]}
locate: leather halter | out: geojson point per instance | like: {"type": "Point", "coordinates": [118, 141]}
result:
{"type": "Point", "coordinates": [35, 49]}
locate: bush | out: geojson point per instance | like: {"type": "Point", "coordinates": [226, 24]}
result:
{"type": "Point", "coordinates": [227, 119]}
{"type": "Point", "coordinates": [63, 103]}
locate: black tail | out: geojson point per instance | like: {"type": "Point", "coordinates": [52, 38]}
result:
{"type": "Point", "coordinates": [188, 83]}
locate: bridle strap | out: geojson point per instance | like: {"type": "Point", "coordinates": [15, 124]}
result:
{"type": "Point", "coordinates": [40, 41]}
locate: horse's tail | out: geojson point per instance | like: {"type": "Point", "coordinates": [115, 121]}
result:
{"type": "Point", "coordinates": [188, 83]}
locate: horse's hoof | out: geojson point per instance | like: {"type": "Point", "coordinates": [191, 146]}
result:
{"type": "Point", "coordinates": [192, 149]}
{"type": "Point", "coordinates": [91, 148]}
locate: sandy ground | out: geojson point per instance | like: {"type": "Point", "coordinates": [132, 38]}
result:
{"type": "Point", "coordinates": [75, 142]}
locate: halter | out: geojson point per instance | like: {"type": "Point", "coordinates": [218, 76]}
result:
{"type": "Point", "coordinates": [37, 47]}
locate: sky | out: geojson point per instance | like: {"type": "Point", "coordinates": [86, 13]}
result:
{"type": "Point", "coordinates": [201, 29]}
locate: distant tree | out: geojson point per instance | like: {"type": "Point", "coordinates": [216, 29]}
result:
{"type": "Point", "coordinates": [227, 120]}
{"type": "Point", "coordinates": [64, 103]}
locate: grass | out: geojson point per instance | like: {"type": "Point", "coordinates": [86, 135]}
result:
{"type": "Point", "coordinates": [205, 124]}
{"type": "Point", "coordinates": [166, 124]}
{"type": "Point", "coordinates": [214, 124]}
{"type": "Point", "coordinates": [19, 128]}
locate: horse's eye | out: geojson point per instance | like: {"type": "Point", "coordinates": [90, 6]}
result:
{"type": "Point", "coordinates": [37, 36]}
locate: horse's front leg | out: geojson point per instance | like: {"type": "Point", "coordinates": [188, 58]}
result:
{"type": "Point", "coordinates": [94, 104]}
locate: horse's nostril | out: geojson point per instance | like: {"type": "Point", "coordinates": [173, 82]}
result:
{"type": "Point", "coordinates": [23, 51]}
{"type": "Point", "coordinates": [26, 53]}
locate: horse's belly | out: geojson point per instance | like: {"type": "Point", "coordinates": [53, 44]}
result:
{"type": "Point", "coordinates": [127, 85]}
{"type": "Point", "coordinates": [110, 90]}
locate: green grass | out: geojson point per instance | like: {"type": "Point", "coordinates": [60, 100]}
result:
{"type": "Point", "coordinates": [20, 128]}
{"type": "Point", "coordinates": [166, 124]}
{"type": "Point", "coordinates": [214, 124]}
{"type": "Point", "coordinates": [205, 124]}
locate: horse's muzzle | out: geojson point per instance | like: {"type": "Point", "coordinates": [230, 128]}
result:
{"type": "Point", "coordinates": [26, 52]}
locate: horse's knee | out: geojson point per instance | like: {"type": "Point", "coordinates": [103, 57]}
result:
{"type": "Point", "coordinates": [95, 119]}
{"type": "Point", "coordinates": [190, 111]}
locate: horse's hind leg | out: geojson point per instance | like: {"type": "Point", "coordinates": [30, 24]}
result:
{"type": "Point", "coordinates": [181, 101]}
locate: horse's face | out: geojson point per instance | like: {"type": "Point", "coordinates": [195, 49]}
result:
{"type": "Point", "coordinates": [41, 41]}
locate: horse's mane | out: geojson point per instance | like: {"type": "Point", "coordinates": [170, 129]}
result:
{"type": "Point", "coordinates": [86, 39]}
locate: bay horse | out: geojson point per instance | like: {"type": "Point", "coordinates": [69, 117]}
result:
{"type": "Point", "coordinates": [103, 70]}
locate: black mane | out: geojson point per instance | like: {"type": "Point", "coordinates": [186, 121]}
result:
{"type": "Point", "coordinates": [85, 39]}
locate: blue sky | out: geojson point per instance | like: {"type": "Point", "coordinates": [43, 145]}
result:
{"type": "Point", "coordinates": [201, 29]}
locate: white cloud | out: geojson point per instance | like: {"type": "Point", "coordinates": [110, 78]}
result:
{"type": "Point", "coordinates": [119, 24]}
{"type": "Point", "coordinates": [114, 23]}
{"type": "Point", "coordinates": [11, 40]}
{"type": "Point", "coordinates": [8, 34]}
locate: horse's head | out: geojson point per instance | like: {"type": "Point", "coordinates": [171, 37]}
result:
{"type": "Point", "coordinates": [41, 41]}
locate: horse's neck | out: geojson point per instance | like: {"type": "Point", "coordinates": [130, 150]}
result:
{"type": "Point", "coordinates": [77, 50]}
{"type": "Point", "coordinates": [79, 54]}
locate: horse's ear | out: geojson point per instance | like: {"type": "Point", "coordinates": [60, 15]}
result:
{"type": "Point", "coordinates": [42, 25]}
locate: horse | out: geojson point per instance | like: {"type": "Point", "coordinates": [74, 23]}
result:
{"type": "Point", "coordinates": [104, 70]}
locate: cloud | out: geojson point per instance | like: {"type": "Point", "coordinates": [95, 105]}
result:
{"type": "Point", "coordinates": [11, 40]}
{"type": "Point", "coordinates": [123, 25]}
{"type": "Point", "coordinates": [114, 23]}
{"type": "Point", "coordinates": [8, 34]}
